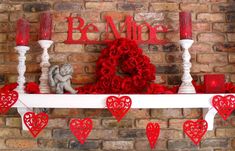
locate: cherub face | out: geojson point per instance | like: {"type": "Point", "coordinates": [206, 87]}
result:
{"type": "Point", "coordinates": [66, 69]}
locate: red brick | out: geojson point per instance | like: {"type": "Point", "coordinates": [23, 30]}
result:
{"type": "Point", "coordinates": [143, 6]}
{"type": "Point", "coordinates": [159, 58]}
{"type": "Point", "coordinates": [231, 37]}
{"type": "Point", "coordinates": [117, 16]}
{"type": "Point", "coordinates": [100, 6]}
{"type": "Point", "coordinates": [176, 123]}
{"type": "Point", "coordinates": [233, 143]}
{"type": "Point", "coordinates": [192, 113]}
{"type": "Point", "coordinates": [118, 145]}
{"type": "Point", "coordinates": [166, 113]}
{"type": "Point", "coordinates": [137, 113]}
{"type": "Point", "coordinates": [3, 17]}
{"type": "Point", "coordinates": [164, 6]}
{"type": "Point", "coordinates": [149, 16]}
{"type": "Point", "coordinates": [202, 68]}
{"type": "Point", "coordinates": [201, 26]}
{"type": "Point", "coordinates": [170, 134]}
{"type": "Point", "coordinates": [115, 125]}
{"type": "Point", "coordinates": [83, 79]}
{"type": "Point", "coordinates": [144, 145]}
{"type": "Point", "coordinates": [45, 134]}
{"type": "Point", "coordinates": [232, 76]}
{"type": "Point", "coordinates": [198, 7]}
{"type": "Point", "coordinates": [211, 37]}
{"type": "Point", "coordinates": [103, 134]}
{"type": "Point", "coordinates": [215, 17]}
{"type": "Point", "coordinates": [83, 57]}
{"type": "Point", "coordinates": [225, 69]}
{"type": "Point", "coordinates": [212, 58]}
{"type": "Point", "coordinates": [68, 6]}
{"type": "Point", "coordinates": [57, 123]}
{"type": "Point", "coordinates": [21, 143]}
{"type": "Point", "coordinates": [201, 47]}
{"type": "Point", "coordinates": [223, 7]}
{"type": "Point", "coordinates": [13, 122]}
{"type": "Point", "coordinates": [142, 123]}
{"type": "Point", "coordinates": [231, 58]}
{"type": "Point", "coordinates": [61, 47]}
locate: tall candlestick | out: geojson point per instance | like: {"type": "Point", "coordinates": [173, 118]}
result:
{"type": "Point", "coordinates": [45, 26]}
{"type": "Point", "coordinates": [185, 25]}
{"type": "Point", "coordinates": [22, 32]}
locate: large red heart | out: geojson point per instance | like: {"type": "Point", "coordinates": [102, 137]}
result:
{"type": "Point", "coordinates": [118, 106]}
{"type": "Point", "coordinates": [152, 132]}
{"type": "Point", "coordinates": [7, 100]}
{"type": "Point", "coordinates": [224, 105]}
{"type": "Point", "coordinates": [81, 128]}
{"type": "Point", "coordinates": [35, 122]}
{"type": "Point", "coordinates": [195, 130]}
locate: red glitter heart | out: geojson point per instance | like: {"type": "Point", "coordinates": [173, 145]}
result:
{"type": "Point", "coordinates": [7, 100]}
{"type": "Point", "coordinates": [224, 105]}
{"type": "Point", "coordinates": [118, 106]}
{"type": "Point", "coordinates": [195, 130]}
{"type": "Point", "coordinates": [152, 132]}
{"type": "Point", "coordinates": [35, 122]}
{"type": "Point", "coordinates": [81, 128]}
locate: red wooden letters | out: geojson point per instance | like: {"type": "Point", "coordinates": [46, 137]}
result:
{"type": "Point", "coordinates": [132, 31]}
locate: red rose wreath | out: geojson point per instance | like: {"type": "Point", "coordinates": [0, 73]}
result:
{"type": "Point", "coordinates": [121, 68]}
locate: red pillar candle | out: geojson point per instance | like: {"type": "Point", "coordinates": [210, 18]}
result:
{"type": "Point", "coordinates": [214, 83]}
{"type": "Point", "coordinates": [45, 26]}
{"type": "Point", "coordinates": [22, 32]}
{"type": "Point", "coordinates": [185, 25]}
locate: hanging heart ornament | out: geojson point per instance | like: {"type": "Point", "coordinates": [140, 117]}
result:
{"type": "Point", "coordinates": [195, 130]}
{"type": "Point", "coordinates": [35, 122]}
{"type": "Point", "coordinates": [7, 100]}
{"type": "Point", "coordinates": [224, 105]}
{"type": "Point", "coordinates": [118, 106]}
{"type": "Point", "coordinates": [81, 128]}
{"type": "Point", "coordinates": [152, 132]}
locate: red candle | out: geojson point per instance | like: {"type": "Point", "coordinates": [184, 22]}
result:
{"type": "Point", "coordinates": [22, 32]}
{"type": "Point", "coordinates": [185, 25]}
{"type": "Point", "coordinates": [214, 83]}
{"type": "Point", "coordinates": [45, 26]}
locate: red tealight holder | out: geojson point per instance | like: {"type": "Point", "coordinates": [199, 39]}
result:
{"type": "Point", "coordinates": [45, 31]}
{"type": "Point", "coordinates": [214, 83]}
{"type": "Point", "coordinates": [22, 32]}
{"type": "Point", "coordinates": [185, 25]}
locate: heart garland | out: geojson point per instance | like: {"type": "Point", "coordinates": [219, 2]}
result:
{"type": "Point", "coordinates": [118, 106]}
{"type": "Point", "coordinates": [195, 130]}
{"type": "Point", "coordinates": [7, 100]}
{"type": "Point", "coordinates": [81, 128]}
{"type": "Point", "coordinates": [35, 122]}
{"type": "Point", "coordinates": [224, 105]}
{"type": "Point", "coordinates": [152, 132]}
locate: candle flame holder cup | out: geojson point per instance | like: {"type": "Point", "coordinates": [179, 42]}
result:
{"type": "Point", "coordinates": [186, 85]}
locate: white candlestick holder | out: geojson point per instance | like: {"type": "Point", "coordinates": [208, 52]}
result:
{"type": "Point", "coordinates": [186, 85]}
{"type": "Point", "coordinates": [45, 64]}
{"type": "Point", "coordinates": [21, 68]}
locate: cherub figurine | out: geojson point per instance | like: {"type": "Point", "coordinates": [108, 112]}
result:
{"type": "Point", "coordinates": [59, 77]}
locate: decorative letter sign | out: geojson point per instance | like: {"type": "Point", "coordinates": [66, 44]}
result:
{"type": "Point", "coordinates": [133, 31]}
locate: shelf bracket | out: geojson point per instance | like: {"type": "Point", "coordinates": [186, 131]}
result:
{"type": "Point", "coordinates": [210, 115]}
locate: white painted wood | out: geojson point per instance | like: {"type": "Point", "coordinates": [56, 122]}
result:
{"type": "Point", "coordinates": [138, 101]}
{"type": "Point", "coordinates": [21, 68]}
{"type": "Point", "coordinates": [186, 85]}
{"type": "Point", "coordinates": [45, 64]}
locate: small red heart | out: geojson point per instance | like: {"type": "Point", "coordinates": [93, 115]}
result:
{"type": "Point", "coordinates": [118, 106]}
{"type": "Point", "coordinates": [152, 132]}
{"type": "Point", "coordinates": [224, 105]}
{"type": "Point", "coordinates": [195, 130]}
{"type": "Point", "coordinates": [7, 100]}
{"type": "Point", "coordinates": [35, 122]}
{"type": "Point", "coordinates": [81, 128]}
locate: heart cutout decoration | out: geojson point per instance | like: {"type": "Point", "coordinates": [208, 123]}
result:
{"type": "Point", "coordinates": [81, 128]}
{"type": "Point", "coordinates": [35, 122]}
{"type": "Point", "coordinates": [224, 105]}
{"type": "Point", "coordinates": [152, 132]}
{"type": "Point", "coordinates": [195, 130]}
{"type": "Point", "coordinates": [118, 106]}
{"type": "Point", "coordinates": [7, 100]}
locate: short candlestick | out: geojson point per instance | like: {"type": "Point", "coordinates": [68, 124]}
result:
{"type": "Point", "coordinates": [45, 64]}
{"type": "Point", "coordinates": [186, 85]}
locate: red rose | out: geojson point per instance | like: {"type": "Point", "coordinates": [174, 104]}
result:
{"type": "Point", "coordinates": [32, 88]}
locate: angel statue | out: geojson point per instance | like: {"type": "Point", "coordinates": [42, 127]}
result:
{"type": "Point", "coordinates": [59, 78]}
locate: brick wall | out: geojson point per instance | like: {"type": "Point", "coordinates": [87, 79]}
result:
{"type": "Point", "coordinates": [212, 52]}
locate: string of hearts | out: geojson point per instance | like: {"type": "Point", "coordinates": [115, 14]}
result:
{"type": "Point", "coordinates": [118, 106]}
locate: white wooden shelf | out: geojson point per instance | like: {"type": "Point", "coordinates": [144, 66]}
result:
{"type": "Point", "coordinates": [99, 101]}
